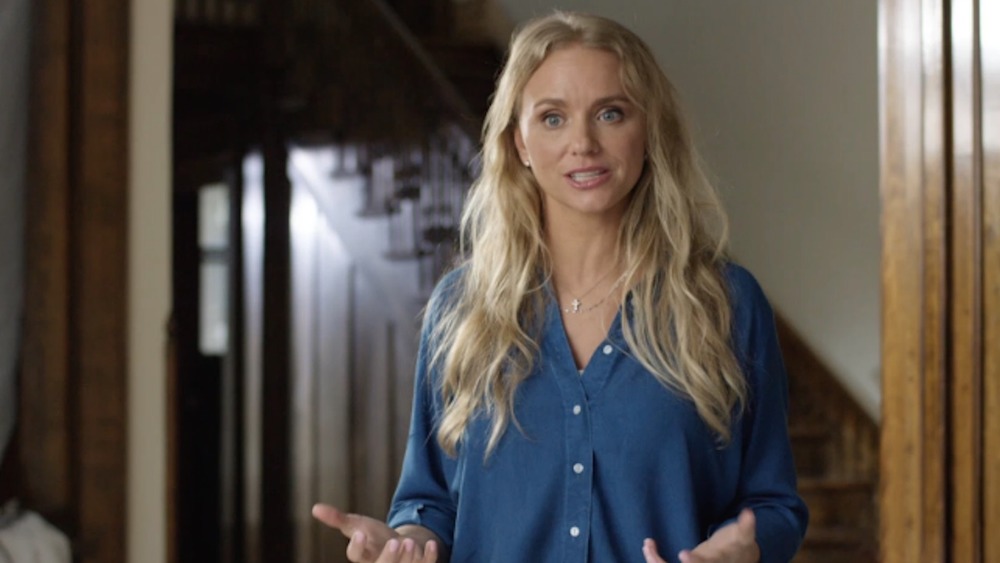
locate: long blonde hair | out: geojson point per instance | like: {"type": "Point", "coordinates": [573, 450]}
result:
{"type": "Point", "coordinates": [672, 238]}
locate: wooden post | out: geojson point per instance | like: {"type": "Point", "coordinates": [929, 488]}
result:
{"type": "Point", "coordinates": [989, 14]}
{"type": "Point", "coordinates": [941, 295]}
{"type": "Point", "coordinates": [275, 535]}
{"type": "Point", "coordinates": [73, 402]}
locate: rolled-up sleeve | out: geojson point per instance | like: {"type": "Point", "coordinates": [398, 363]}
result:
{"type": "Point", "coordinates": [423, 494]}
{"type": "Point", "coordinates": [768, 481]}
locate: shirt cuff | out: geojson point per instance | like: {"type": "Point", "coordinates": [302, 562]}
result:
{"type": "Point", "coordinates": [441, 522]}
{"type": "Point", "coordinates": [778, 537]}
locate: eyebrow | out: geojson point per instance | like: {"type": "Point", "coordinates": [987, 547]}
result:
{"type": "Point", "coordinates": [558, 102]}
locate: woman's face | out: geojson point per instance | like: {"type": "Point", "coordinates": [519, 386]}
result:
{"type": "Point", "coordinates": [584, 139]}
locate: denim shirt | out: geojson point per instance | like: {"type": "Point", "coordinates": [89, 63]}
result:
{"type": "Point", "coordinates": [606, 458]}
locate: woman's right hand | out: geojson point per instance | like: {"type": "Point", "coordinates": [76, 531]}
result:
{"type": "Point", "coordinates": [374, 542]}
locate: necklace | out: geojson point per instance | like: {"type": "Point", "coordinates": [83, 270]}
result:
{"type": "Point", "coordinates": [576, 305]}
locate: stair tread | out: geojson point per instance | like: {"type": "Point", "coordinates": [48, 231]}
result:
{"type": "Point", "coordinates": [840, 536]}
{"type": "Point", "coordinates": [457, 43]}
{"type": "Point", "coordinates": [809, 430]}
{"type": "Point", "coordinates": [835, 484]}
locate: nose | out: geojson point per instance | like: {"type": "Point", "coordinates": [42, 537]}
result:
{"type": "Point", "coordinates": [584, 141]}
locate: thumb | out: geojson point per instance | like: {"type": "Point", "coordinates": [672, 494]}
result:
{"type": "Point", "coordinates": [747, 523]}
{"type": "Point", "coordinates": [650, 553]}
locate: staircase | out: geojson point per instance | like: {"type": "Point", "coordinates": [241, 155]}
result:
{"type": "Point", "coordinates": [835, 445]}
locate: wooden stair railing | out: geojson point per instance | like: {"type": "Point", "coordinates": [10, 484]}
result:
{"type": "Point", "coordinates": [268, 75]}
{"type": "Point", "coordinates": [458, 38]}
{"type": "Point", "coordinates": [835, 445]}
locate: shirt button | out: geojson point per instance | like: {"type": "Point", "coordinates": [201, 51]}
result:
{"type": "Point", "coordinates": [608, 349]}
{"type": "Point", "coordinates": [576, 409]}
{"type": "Point", "coordinates": [578, 468]}
{"type": "Point", "coordinates": [574, 531]}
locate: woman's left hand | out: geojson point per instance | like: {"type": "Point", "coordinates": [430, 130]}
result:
{"type": "Point", "coordinates": [734, 543]}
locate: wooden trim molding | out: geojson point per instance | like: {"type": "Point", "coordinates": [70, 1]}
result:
{"type": "Point", "coordinates": [965, 460]}
{"type": "Point", "coordinates": [940, 110]}
{"type": "Point", "coordinates": [912, 479]}
{"type": "Point", "coordinates": [989, 103]}
{"type": "Point", "coordinates": [73, 415]}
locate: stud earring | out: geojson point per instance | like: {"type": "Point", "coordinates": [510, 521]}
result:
{"type": "Point", "coordinates": [527, 164]}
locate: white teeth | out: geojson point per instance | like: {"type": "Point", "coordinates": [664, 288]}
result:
{"type": "Point", "coordinates": [580, 176]}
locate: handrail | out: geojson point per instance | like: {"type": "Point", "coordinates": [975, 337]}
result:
{"type": "Point", "coordinates": [453, 100]}
{"type": "Point", "coordinates": [238, 13]}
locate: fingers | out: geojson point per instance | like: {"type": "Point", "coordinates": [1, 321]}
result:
{"type": "Point", "coordinates": [371, 541]}
{"type": "Point", "coordinates": [396, 550]}
{"type": "Point", "coordinates": [406, 550]}
{"type": "Point", "coordinates": [430, 552]}
{"type": "Point", "coordinates": [356, 547]}
{"type": "Point", "coordinates": [733, 542]}
{"type": "Point", "coordinates": [394, 553]}
{"type": "Point", "coordinates": [649, 552]}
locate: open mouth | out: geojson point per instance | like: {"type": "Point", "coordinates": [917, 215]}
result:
{"type": "Point", "coordinates": [588, 178]}
{"type": "Point", "coordinates": [584, 176]}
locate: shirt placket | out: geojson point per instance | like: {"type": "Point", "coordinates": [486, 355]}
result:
{"type": "Point", "coordinates": [579, 476]}
{"type": "Point", "coordinates": [579, 445]}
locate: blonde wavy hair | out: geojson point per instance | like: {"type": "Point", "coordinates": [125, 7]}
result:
{"type": "Point", "coordinates": [672, 238]}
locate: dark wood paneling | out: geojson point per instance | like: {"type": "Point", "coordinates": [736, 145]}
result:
{"type": "Point", "coordinates": [99, 273]}
{"type": "Point", "coordinates": [44, 419]}
{"type": "Point", "coordinates": [73, 427]}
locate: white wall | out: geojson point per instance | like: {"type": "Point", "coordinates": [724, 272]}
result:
{"type": "Point", "coordinates": [149, 276]}
{"type": "Point", "coordinates": [783, 94]}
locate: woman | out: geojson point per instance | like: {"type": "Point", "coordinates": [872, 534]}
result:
{"type": "Point", "coordinates": [595, 381]}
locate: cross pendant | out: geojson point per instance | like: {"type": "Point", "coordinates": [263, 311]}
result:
{"type": "Point", "coordinates": [576, 305]}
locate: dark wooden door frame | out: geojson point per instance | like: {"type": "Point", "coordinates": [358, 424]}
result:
{"type": "Point", "coordinates": [72, 423]}
{"type": "Point", "coordinates": [940, 153]}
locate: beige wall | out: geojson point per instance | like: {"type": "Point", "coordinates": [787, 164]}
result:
{"type": "Point", "coordinates": [149, 277]}
{"type": "Point", "coordinates": [784, 97]}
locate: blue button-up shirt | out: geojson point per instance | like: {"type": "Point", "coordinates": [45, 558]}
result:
{"type": "Point", "coordinates": [606, 458]}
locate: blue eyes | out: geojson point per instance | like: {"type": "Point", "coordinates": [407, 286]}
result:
{"type": "Point", "coordinates": [610, 115]}
{"type": "Point", "coordinates": [552, 120]}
